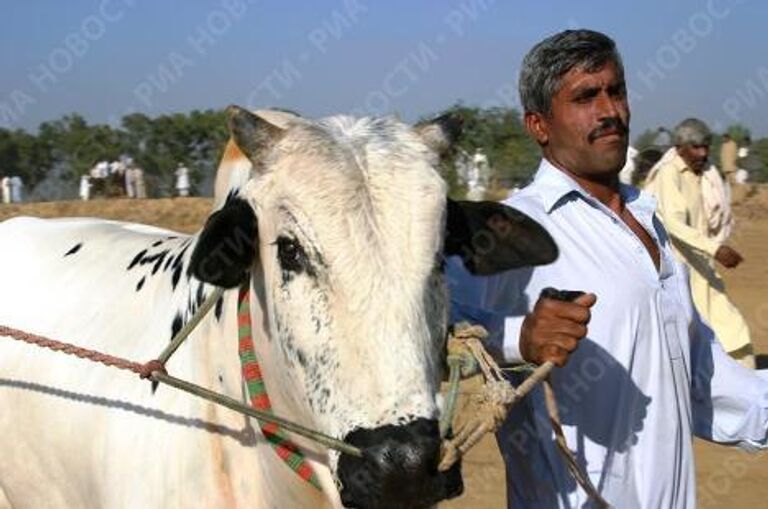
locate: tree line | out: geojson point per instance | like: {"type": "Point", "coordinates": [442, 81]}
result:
{"type": "Point", "coordinates": [51, 161]}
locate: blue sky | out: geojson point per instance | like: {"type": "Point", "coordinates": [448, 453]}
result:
{"type": "Point", "coordinates": [104, 58]}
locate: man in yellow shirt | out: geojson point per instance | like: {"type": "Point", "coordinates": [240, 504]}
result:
{"type": "Point", "coordinates": [676, 180]}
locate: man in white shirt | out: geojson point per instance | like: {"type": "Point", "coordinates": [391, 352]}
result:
{"type": "Point", "coordinates": [639, 373]}
{"type": "Point", "coordinates": [17, 185]}
{"type": "Point", "coordinates": [5, 186]}
{"type": "Point", "coordinates": [182, 180]}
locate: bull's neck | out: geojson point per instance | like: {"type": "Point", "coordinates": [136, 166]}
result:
{"type": "Point", "coordinates": [249, 473]}
{"type": "Point", "coordinates": [284, 405]}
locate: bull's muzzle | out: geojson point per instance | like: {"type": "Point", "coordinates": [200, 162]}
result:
{"type": "Point", "coordinates": [398, 468]}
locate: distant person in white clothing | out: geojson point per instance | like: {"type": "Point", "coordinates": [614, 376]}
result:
{"type": "Point", "coordinates": [17, 186]}
{"type": "Point", "coordinates": [182, 180]}
{"type": "Point", "coordinates": [5, 185]}
{"type": "Point", "coordinates": [141, 188]}
{"type": "Point", "coordinates": [85, 187]}
{"type": "Point", "coordinates": [742, 173]}
{"type": "Point", "coordinates": [130, 182]}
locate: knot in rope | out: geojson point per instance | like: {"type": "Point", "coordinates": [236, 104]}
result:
{"type": "Point", "coordinates": [458, 346]}
{"type": "Point", "coordinates": [466, 357]}
{"type": "Point", "coordinates": [465, 344]}
{"type": "Point", "coordinates": [150, 367]}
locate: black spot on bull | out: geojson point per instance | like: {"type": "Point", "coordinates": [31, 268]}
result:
{"type": "Point", "coordinates": [178, 267]}
{"type": "Point", "coordinates": [137, 259]}
{"type": "Point", "coordinates": [74, 249]}
{"type": "Point", "coordinates": [225, 249]}
{"type": "Point", "coordinates": [140, 283]}
{"type": "Point", "coordinates": [178, 323]}
{"type": "Point", "coordinates": [219, 308]}
{"type": "Point", "coordinates": [200, 296]}
{"type": "Point", "coordinates": [232, 194]}
{"type": "Point", "coordinates": [176, 275]}
{"type": "Point", "coordinates": [160, 257]}
{"type": "Point", "coordinates": [318, 368]}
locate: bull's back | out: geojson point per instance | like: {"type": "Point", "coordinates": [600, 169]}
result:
{"type": "Point", "coordinates": [72, 276]}
{"type": "Point", "coordinates": [71, 426]}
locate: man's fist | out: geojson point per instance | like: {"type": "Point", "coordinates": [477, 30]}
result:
{"type": "Point", "coordinates": [728, 256]}
{"type": "Point", "coordinates": [553, 330]}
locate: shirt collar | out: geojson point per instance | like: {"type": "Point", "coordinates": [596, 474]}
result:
{"type": "Point", "coordinates": [555, 188]}
{"type": "Point", "coordinates": [672, 157]}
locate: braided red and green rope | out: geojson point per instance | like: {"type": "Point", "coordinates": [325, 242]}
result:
{"type": "Point", "coordinates": [257, 392]}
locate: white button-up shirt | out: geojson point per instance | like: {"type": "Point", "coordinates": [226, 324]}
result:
{"type": "Point", "coordinates": [647, 377]}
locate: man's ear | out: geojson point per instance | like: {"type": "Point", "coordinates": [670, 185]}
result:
{"type": "Point", "coordinates": [537, 126]}
{"type": "Point", "coordinates": [491, 237]}
{"type": "Point", "coordinates": [226, 248]}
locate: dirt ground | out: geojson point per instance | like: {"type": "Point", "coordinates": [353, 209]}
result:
{"type": "Point", "coordinates": [726, 477]}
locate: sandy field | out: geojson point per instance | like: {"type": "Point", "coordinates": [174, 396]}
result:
{"type": "Point", "coordinates": [726, 477]}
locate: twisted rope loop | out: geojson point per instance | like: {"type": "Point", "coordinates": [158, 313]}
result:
{"type": "Point", "coordinates": [467, 355]}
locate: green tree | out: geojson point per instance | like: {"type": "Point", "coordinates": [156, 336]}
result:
{"type": "Point", "coordinates": [645, 139]}
{"type": "Point", "coordinates": [760, 150]}
{"type": "Point", "coordinates": [159, 145]}
{"type": "Point", "coordinates": [78, 146]}
{"type": "Point", "coordinates": [738, 132]}
{"type": "Point", "coordinates": [512, 154]}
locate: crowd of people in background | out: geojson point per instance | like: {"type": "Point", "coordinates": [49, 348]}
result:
{"type": "Point", "coordinates": [129, 180]}
{"type": "Point", "coordinates": [694, 201]}
{"type": "Point", "coordinates": [116, 178]}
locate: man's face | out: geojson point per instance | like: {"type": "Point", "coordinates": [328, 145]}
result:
{"type": "Point", "coordinates": [587, 131]}
{"type": "Point", "coordinates": [695, 156]}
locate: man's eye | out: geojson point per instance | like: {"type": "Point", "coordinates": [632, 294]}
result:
{"type": "Point", "coordinates": [290, 254]}
{"type": "Point", "coordinates": [618, 92]}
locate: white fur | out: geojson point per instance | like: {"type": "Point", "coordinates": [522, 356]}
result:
{"type": "Point", "coordinates": [363, 197]}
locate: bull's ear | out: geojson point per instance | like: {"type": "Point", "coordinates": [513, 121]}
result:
{"type": "Point", "coordinates": [491, 237]}
{"type": "Point", "coordinates": [252, 134]}
{"type": "Point", "coordinates": [226, 247]}
{"type": "Point", "coordinates": [441, 133]}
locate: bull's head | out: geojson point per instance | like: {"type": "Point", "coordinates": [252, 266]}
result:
{"type": "Point", "coordinates": [347, 225]}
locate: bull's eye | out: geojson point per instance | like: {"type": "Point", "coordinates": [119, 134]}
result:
{"type": "Point", "coordinates": [290, 255]}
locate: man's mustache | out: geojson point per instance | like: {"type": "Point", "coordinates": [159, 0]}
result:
{"type": "Point", "coordinates": [610, 125]}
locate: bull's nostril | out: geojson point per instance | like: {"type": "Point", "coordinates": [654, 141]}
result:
{"type": "Point", "coordinates": [398, 468]}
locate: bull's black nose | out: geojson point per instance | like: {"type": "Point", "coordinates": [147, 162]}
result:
{"type": "Point", "coordinates": [399, 468]}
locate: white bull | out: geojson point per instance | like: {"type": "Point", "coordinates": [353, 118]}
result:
{"type": "Point", "coordinates": [339, 227]}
